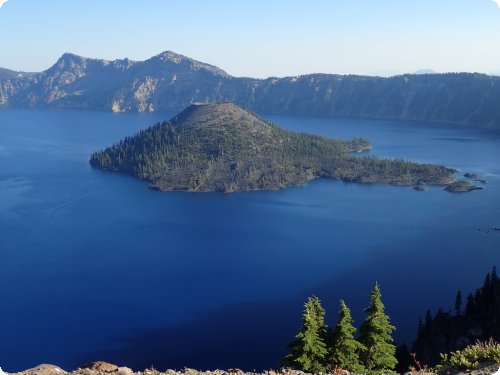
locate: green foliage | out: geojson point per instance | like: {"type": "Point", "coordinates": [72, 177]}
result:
{"type": "Point", "coordinates": [344, 350]}
{"type": "Point", "coordinates": [308, 350]}
{"type": "Point", "coordinates": [375, 335]}
{"type": "Point", "coordinates": [470, 357]}
{"type": "Point", "coordinates": [447, 332]}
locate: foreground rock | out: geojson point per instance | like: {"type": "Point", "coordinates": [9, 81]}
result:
{"type": "Point", "coordinates": [101, 366]}
{"type": "Point", "coordinates": [100, 369]}
{"type": "Point", "coordinates": [483, 369]}
{"type": "Point", "coordinates": [43, 369]}
{"type": "Point", "coordinates": [221, 147]}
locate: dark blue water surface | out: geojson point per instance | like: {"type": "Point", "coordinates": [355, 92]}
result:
{"type": "Point", "coordinates": [95, 266]}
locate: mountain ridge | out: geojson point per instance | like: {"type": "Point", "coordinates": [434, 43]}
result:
{"type": "Point", "coordinates": [171, 82]}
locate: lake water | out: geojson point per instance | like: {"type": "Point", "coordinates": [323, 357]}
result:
{"type": "Point", "coordinates": [95, 266]}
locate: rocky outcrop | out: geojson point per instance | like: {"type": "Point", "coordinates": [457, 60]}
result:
{"type": "Point", "coordinates": [171, 82]}
{"type": "Point", "coordinates": [461, 186]}
{"type": "Point", "coordinates": [54, 370]}
{"type": "Point", "coordinates": [483, 369]}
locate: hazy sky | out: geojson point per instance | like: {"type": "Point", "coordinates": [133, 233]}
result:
{"type": "Point", "coordinates": [259, 38]}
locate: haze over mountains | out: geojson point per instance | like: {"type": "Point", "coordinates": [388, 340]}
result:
{"type": "Point", "coordinates": [170, 82]}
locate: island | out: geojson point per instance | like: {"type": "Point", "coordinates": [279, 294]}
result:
{"type": "Point", "coordinates": [461, 186]}
{"type": "Point", "coordinates": [222, 147]}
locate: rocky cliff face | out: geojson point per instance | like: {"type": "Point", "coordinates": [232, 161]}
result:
{"type": "Point", "coordinates": [171, 82]}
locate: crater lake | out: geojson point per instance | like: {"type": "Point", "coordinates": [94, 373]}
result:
{"type": "Point", "coordinates": [96, 266]}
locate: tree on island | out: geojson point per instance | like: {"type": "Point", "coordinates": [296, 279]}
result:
{"type": "Point", "coordinates": [375, 335]}
{"type": "Point", "coordinates": [308, 351]}
{"type": "Point", "coordinates": [344, 351]}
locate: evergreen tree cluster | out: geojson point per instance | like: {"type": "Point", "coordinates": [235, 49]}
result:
{"type": "Point", "coordinates": [451, 331]}
{"type": "Point", "coordinates": [317, 348]}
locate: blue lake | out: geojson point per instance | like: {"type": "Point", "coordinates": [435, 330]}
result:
{"type": "Point", "coordinates": [95, 266]}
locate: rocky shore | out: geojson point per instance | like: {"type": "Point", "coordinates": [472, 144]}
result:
{"type": "Point", "coordinates": [104, 368]}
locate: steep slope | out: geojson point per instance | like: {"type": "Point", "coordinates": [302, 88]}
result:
{"type": "Point", "coordinates": [170, 82]}
{"type": "Point", "coordinates": [221, 147]}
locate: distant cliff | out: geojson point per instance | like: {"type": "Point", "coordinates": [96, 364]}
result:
{"type": "Point", "coordinates": [170, 82]}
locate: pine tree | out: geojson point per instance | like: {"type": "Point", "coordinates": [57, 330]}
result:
{"type": "Point", "coordinates": [494, 277]}
{"type": "Point", "coordinates": [458, 303]}
{"type": "Point", "coordinates": [344, 350]}
{"type": "Point", "coordinates": [470, 307]}
{"type": "Point", "coordinates": [308, 350]}
{"type": "Point", "coordinates": [375, 335]}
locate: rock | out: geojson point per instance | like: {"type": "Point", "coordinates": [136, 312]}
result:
{"type": "Point", "coordinates": [419, 188]}
{"type": "Point", "coordinates": [125, 371]}
{"type": "Point", "coordinates": [472, 176]}
{"type": "Point", "coordinates": [486, 368]}
{"type": "Point", "coordinates": [44, 369]}
{"type": "Point", "coordinates": [101, 366]}
{"type": "Point", "coordinates": [461, 187]}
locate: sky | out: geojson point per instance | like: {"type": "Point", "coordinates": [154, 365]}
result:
{"type": "Point", "coordinates": [260, 38]}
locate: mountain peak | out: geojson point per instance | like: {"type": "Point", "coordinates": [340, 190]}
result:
{"type": "Point", "coordinates": [178, 59]}
{"type": "Point", "coordinates": [219, 115]}
{"type": "Point", "coordinates": [171, 56]}
{"type": "Point", "coordinates": [68, 56]}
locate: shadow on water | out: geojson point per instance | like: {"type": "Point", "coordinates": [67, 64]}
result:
{"type": "Point", "coordinates": [248, 336]}
{"type": "Point", "coordinates": [253, 336]}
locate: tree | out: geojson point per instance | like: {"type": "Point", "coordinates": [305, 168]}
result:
{"type": "Point", "coordinates": [308, 350]}
{"type": "Point", "coordinates": [344, 350]}
{"type": "Point", "coordinates": [375, 335]}
{"type": "Point", "coordinates": [470, 307]}
{"type": "Point", "coordinates": [458, 303]}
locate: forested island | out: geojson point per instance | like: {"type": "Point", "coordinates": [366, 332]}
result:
{"type": "Point", "coordinates": [221, 147]}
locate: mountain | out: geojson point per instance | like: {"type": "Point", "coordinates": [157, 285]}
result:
{"type": "Point", "coordinates": [170, 82]}
{"type": "Point", "coordinates": [7, 74]}
{"type": "Point", "coordinates": [221, 147]}
{"type": "Point", "coordinates": [11, 74]}
{"type": "Point", "coordinates": [425, 71]}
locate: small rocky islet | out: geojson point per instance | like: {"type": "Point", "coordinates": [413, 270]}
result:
{"type": "Point", "coordinates": [222, 147]}
{"type": "Point", "coordinates": [461, 186]}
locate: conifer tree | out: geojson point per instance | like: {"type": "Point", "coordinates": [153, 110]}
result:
{"type": "Point", "coordinates": [470, 307]}
{"type": "Point", "coordinates": [308, 350]}
{"type": "Point", "coordinates": [344, 350]}
{"type": "Point", "coordinates": [375, 335]}
{"type": "Point", "coordinates": [458, 303]}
